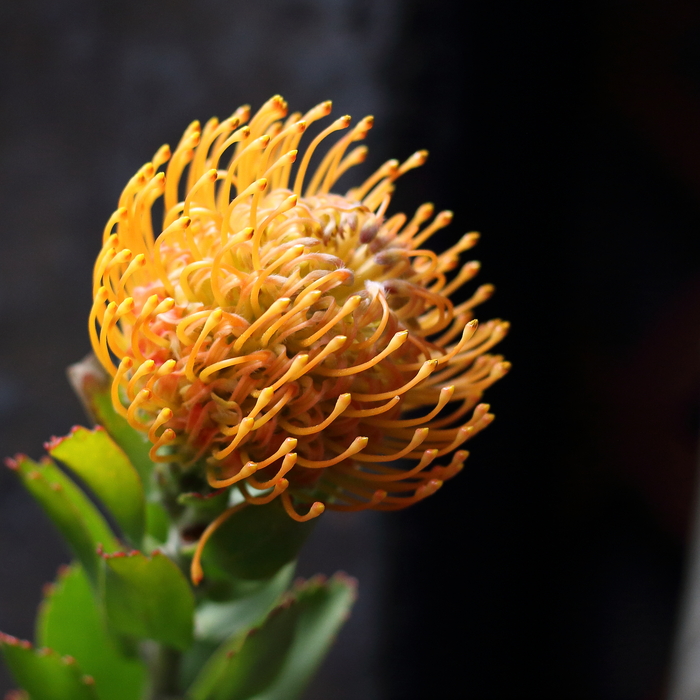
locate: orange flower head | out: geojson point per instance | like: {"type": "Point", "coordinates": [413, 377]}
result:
{"type": "Point", "coordinates": [294, 342]}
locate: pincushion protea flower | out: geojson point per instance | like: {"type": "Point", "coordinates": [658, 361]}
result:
{"type": "Point", "coordinates": [278, 334]}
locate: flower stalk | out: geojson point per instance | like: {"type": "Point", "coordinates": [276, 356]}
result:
{"type": "Point", "coordinates": [164, 671]}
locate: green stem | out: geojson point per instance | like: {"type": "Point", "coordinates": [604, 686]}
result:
{"type": "Point", "coordinates": [164, 670]}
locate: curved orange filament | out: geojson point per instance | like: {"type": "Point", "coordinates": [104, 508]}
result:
{"type": "Point", "coordinates": [120, 215]}
{"type": "Point", "coordinates": [399, 475]}
{"type": "Point", "coordinates": [163, 417]}
{"type": "Point", "coordinates": [418, 437]}
{"type": "Point", "coordinates": [368, 412]}
{"type": "Point", "coordinates": [293, 252]}
{"type": "Point", "coordinates": [381, 326]}
{"type": "Point", "coordinates": [445, 397]}
{"type": "Point", "coordinates": [348, 307]}
{"type": "Point", "coordinates": [332, 346]}
{"type": "Point", "coordinates": [223, 364]}
{"type": "Point", "coordinates": [394, 344]}
{"type": "Point", "coordinates": [146, 368]}
{"type": "Point", "coordinates": [275, 409]}
{"type": "Point", "coordinates": [245, 426]}
{"type": "Point", "coordinates": [103, 352]}
{"type": "Point", "coordinates": [294, 372]}
{"type": "Point", "coordinates": [287, 463]}
{"type": "Point", "coordinates": [341, 404]}
{"type": "Point", "coordinates": [196, 572]}
{"type": "Point", "coordinates": [386, 170]}
{"type": "Point", "coordinates": [168, 436]}
{"type": "Point", "coordinates": [424, 372]}
{"type": "Point", "coordinates": [299, 305]}
{"type": "Point", "coordinates": [285, 448]}
{"type": "Point", "coordinates": [184, 325]}
{"type": "Point", "coordinates": [376, 499]}
{"type": "Point", "coordinates": [341, 123]}
{"type": "Point", "coordinates": [124, 366]}
{"type": "Point", "coordinates": [357, 445]}
{"type": "Point", "coordinates": [97, 306]}
{"type": "Point", "coordinates": [143, 396]}
{"type": "Point", "coordinates": [314, 511]}
{"type": "Point", "coordinates": [276, 307]}
{"type": "Point", "coordinates": [279, 488]}
{"type": "Point", "coordinates": [212, 321]}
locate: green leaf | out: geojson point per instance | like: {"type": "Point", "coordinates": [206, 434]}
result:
{"type": "Point", "coordinates": [133, 442]}
{"type": "Point", "coordinates": [324, 609]}
{"type": "Point", "coordinates": [44, 674]}
{"type": "Point", "coordinates": [218, 621]}
{"type": "Point", "coordinates": [157, 522]}
{"type": "Point", "coordinates": [256, 542]}
{"type": "Point", "coordinates": [70, 510]}
{"type": "Point", "coordinates": [193, 660]}
{"type": "Point", "coordinates": [70, 623]}
{"type": "Point", "coordinates": [148, 598]}
{"type": "Point", "coordinates": [277, 660]}
{"type": "Point", "coordinates": [105, 468]}
{"type": "Point", "coordinates": [92, 384]}
{"type": "Point", "coordinates": [244, 667]}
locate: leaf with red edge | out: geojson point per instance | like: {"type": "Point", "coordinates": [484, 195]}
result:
{"type": "Point", "coordinates": [276, 660]}
{"type": "Point", "coordinates": [104, 467]}
{"type": "Point", "coordinates": [92, 385]}
{"type": "Point", "coordinates": [70, 510]}
{"type": "Point", "coordinates": [44, 674]}
{"type": "Point", "coordinates": [71, 622]}
{"type": "Point", "coordinates": [148, 598]}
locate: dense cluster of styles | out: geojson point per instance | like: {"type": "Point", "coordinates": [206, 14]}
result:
{"type": "Point", "coordinates": [292, 341]}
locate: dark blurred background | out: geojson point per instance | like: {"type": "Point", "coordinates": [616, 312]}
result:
{"type": "Point", "coordinates": [569, 134]}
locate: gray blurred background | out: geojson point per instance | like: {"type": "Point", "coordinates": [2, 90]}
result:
{"type": "Point", "coordinates": [568, 134]}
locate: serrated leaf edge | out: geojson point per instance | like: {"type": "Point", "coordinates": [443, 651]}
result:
{"type": "Point", "coordinates": [292, 597]}
{"type": "Point", "coordinates": [67, 660]}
